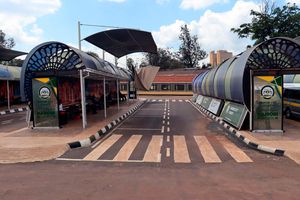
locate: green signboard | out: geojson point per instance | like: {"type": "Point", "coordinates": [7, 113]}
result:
{"type": "Point", "coordinates": [267, 103]}
{"type": "Point", "coordinates": [234, 113]}
{"type": "Point", "coordinates": [45, 107]}
{"type": "Point", "coordinates": [206, 102]}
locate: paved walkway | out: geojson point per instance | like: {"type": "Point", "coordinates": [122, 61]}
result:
{"type": "Point", "coordinates": [28, 145]}
{"type": "Point", "coordinates": [288, 141]}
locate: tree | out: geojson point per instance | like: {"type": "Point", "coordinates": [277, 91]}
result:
{"type": "Point", "coordinates": [190, 52]}
{"type": "Point", "coordinates": [164, 58]}
{"type": "Point", "coordinates": [6, 42]}
{"type": "Point", "coordinates": [271, 21]}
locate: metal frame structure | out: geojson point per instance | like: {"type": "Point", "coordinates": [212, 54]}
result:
{"type": "Point", "coordinates": [231, 79]}
{"type": "Point", "coordinates": [58, 59]}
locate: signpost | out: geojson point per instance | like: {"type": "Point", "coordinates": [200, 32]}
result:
{"type": "Point", "coordinates": [45, 106]}
{"type": "Point", "coordinates": [267, 104]}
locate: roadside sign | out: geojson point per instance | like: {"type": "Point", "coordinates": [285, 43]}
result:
{"type": "Point", "coordinates": [45, 107]}
{"type": "Point", "coordinates": [206, 102]}
{"type": "Point", "coordinates": [234, 113]}
{"type": "Point", "coordinates": [215, 106]}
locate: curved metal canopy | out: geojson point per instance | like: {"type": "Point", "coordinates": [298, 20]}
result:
{"type": "Point", "coordinates": [231, 80]}
{"type": "Point", "coordinates": [120, 42]}
{"type": "Point", "coordinates": [8, 54]}
{"type": "Point", "coordinates": [56, 58]}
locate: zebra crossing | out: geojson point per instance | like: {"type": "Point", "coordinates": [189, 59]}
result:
{"type": "Point", "coordinates": [159, 148]}
{"type": "Point", "coordinates": [169, 100]}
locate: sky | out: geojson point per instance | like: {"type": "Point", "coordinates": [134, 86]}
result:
{"type": "Point", "coordinates": [31, 22]}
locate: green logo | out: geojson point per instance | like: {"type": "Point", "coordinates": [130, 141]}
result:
{"type": "Point", "coordinates": [44, 93]}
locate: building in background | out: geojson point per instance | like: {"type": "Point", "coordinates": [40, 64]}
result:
{"type": "Point", "coordinates": [170, 82]}
{"type": "Point", "coordinates": [215, 59]}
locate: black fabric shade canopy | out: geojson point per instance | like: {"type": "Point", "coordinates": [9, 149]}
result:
{"type": "Point", "coordinates": [8, 54]}
{"type": "Point", "coordinates": [120, 42]}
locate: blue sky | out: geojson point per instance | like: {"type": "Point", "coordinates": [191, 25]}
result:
{"type": "Point", "coordinates": [31, 22]}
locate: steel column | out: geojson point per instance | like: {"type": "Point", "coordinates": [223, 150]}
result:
{"type": "Point", "coordinates": [104, 97]}
{"type": "Point", "coordinates": [8, 95]}
{"type": "Point", "coordinates": [83, 104]}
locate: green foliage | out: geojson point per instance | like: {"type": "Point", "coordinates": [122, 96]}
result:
{"type": "Point", "coordinates": [190, 52]}
{"type": "Point", "coordinates": [164, 58]}
{"type": "Point", "coordinates": [271, 22]}
{"type": "Point", "coordinates": [6, 42]}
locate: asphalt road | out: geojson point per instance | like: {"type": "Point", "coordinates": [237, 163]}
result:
{"type": "Point", "coordinates": [166, 150]}
{"type": "Point", "coordinates": [13, 121]}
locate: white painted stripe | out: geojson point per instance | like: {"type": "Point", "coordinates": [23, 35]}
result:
{"type": "Point", "coordinates": [168, 118]}
{"type": "Point", "coordinates": [140, 129]}
{"type": "Point", "coordinates": [153, 100]}
{"type": "Point", "coordinates": [173, 100]}
{"type": "Point", "coordinates": [186, 100]}
{"type": "Point", "coordinates": [164, 117]}
{"type": "Point", "coordinates": [103, 130]}
{"type": "Point", "coordinates": [109, 126]}
{"type": "Point", "coordinates": [180, 100]}
{"type": "Point", "coordinates": [3, 113]}
{"type": "Point", "coordinates": [7, 121]}
{"type": "Point", "coordinates": [162, 129]}
{"type": "Point", "coordinates": [236, 153]}
{"type": "Point", "coordinates": [153, 151]}
{"type": "Point", "coordinates": [168, 129]}
{"type": "Point", "coordinates": [168, 138]}
{"type": "Point", "coordinates": [102, 148]}
{"type": "Point", "coordinates": [163, 121]}
{"type": "Point", "coordinates": [181, 154]}
{"type": "Point", "coordinates": [20, 109]}
{"type": "Point", "coordinates": [97, 136]}
{"type": "Point", "coordinates": [85, 142]}
{"type": "Point", "coordinates": [160, 100]}
{"type": "Point", "coordinates": [168, 153]}
{"type": "Point", "coordinates": [12, 111]}
{"type": "Point", "coordinates": [168, 123]}
{"type": "Point", "coordinates": [128, 148]}
{"type": "Point", "coordinates": [74, 159]}
{"type": "Point", "coordinates": [208, 153]}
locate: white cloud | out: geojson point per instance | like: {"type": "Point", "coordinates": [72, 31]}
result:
{"type": "Point", "coordinates": [293, 1]}
{"type": "Point", "coordinates": [199, 4]}
{"type": "Point", "coordinates": [18, 18]}
{"type": "Point", "coordinates": [212, 28]}
{"type": "Point", "coordinates": [168, 34]}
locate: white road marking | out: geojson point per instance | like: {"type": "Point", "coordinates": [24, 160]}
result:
{"type": "Point", "coordinates": [7, 121]}
{"type": "Point", "coordinates": [168, 138]}
{"type": "Point", "coordinates": [163, 121]}
{"type": "Point", "coordinates": [168, 152]}
{"type": "Point", "coordinates": [236, 153]}
{"type": "Point", "coordinates": [168, 123]}
{"type": "Point", "coordinates": [208, 153]}
{"type": "Point", "coordinates": [173, 100]}
{"type": "Point", "coordinates": [153, 151]}
{"type": "Point", "coordinates": [105, 145]}
{"type": "Point", "coordinates": [181, 154]}
{"type": "Point", "coordinates": [140, 129]}
{"type": "Point", "coordinates": [128, 148]}
{"type": "Point", "coordinates": [180, 100]}
{"type": "Point", "coordinates": [164, 117]}
{"type": "Point", "coordinates": [168, 129]}
{"type": "Point", "coordinates": [162, 129]}
{"type": "Point", "coordinates": [186, 100]}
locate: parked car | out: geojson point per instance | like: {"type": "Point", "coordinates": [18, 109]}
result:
{"type": "Point", "coordinates": [291, 102]}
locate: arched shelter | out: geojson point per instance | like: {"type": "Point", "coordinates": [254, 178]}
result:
{"type": "Point", "coordinates": [234, 80]}
{"type": "Point", "coordinates": [55, 59]}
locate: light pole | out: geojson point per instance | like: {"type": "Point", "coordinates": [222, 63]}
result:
{"type": "Point", "coordinates": [82, 79]}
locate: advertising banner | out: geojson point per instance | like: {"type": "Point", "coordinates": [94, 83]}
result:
{"type": "Point", "coordinates": [214, 106]}
{"type": "Point", "coordinates": [206, 102]}
{"type": "Point", "coordinates": [199, 99]}
{"type": "Point", "coordinates": [45, 108]}
{"type": "Point", "coordinates": [267, 103]}
{"type": "Point", "coordinates": [234, 113]}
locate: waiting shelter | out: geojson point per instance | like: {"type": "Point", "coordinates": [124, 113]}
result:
{"type": "Point", "coordinates": [9, 77]}
{"type": "Point", "coordinates": [57, 75]}
{"type": "Point", "coordinates": [249, 85]}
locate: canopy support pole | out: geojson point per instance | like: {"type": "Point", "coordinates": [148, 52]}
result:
{"type": "Point", "coordinates": [104, 99]}
{"type": "Point", "coordinates": [8, 95]}
{"type": "Point", "coordinates": [128, 90]}
{"type": "Point", "coordinates": [83, 104]}
{"type": "Point", "coordinates": [118, 96]}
